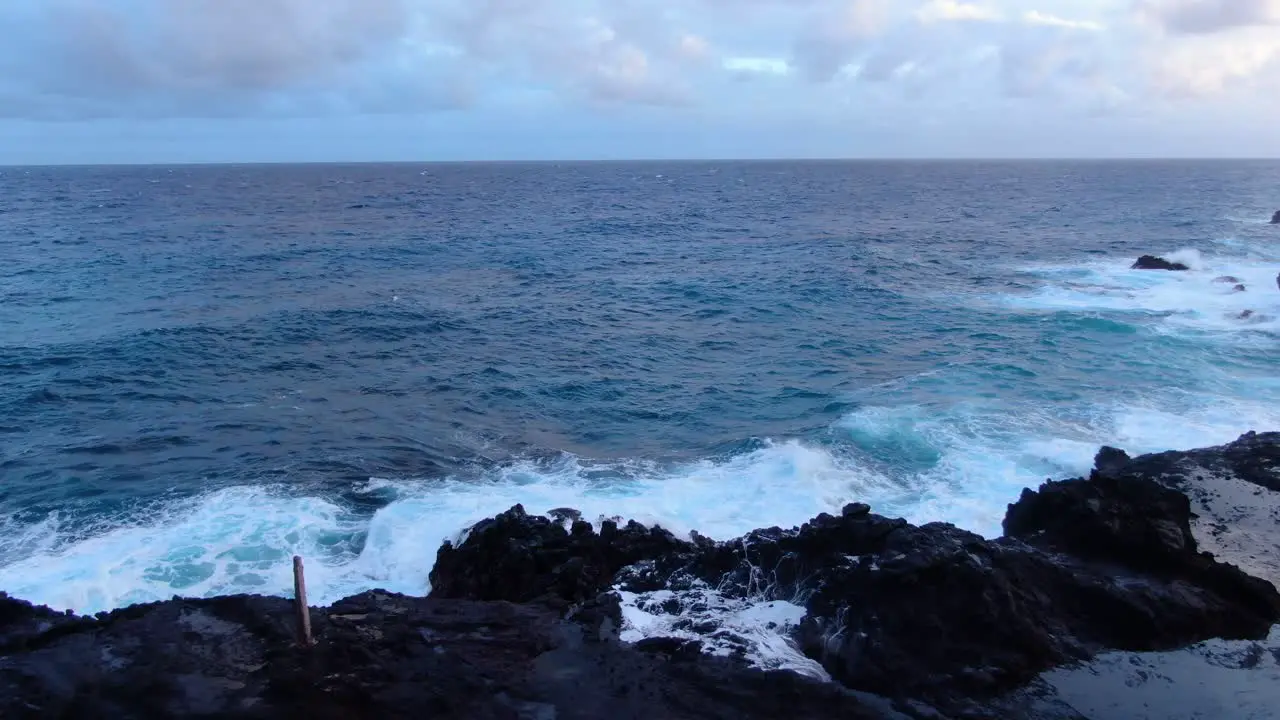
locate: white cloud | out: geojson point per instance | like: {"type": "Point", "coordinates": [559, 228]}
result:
{"type": "Point", "coordinates": [1205, 48]}
{"type": "Point", "coordinates": [956, 11]}
{"type": "Point", "coordinates": [757, 66]}
{"type": "Point", "coordinates": [1244, 61]}
{"type": "Point", "coordinates": [1035, 17]}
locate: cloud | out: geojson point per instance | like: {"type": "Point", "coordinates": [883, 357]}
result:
{"type": "Point", "coordinates": [1035, 17]}
{"type": "Point", "coordinates": [836, 33]}
{"type": "Point", "coordinates": [620, 52]}
{"type": "Point", "coordinates": [955, 11]}
{"type": "Point", "coordinates": [212, 57]}
{"type": "Point", "coordinates": [757, 66]}
{"type": "Point", "coordinates": [218, 58]}
{"type": "Point", "coordinates": [1246, 62]}
{"type": "Point", "coordinates": [1208, 16]}
{"type": "Point", "coordinates": [1051, 60]}
{"type": "Point", "coordinates": [1206, 48]}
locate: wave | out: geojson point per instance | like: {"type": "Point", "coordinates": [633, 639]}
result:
{"type": "Point", "coordinates": [960, 465]}
{"type": "Point", "coordinates": [934, 460]}
{"type": "Point", "coordinates": [240, 539]}
{"type": "Point", "coordinates": [1190, 300]}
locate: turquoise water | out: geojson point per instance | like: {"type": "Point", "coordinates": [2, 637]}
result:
{"type": "Point", "coordinates": [210, 369]}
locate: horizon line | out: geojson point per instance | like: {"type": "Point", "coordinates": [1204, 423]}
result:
{"type": "Point", "coordinates": [581, 161]}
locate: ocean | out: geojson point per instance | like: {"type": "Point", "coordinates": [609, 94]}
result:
{"type": "Point", "coordinates": [205, 370]}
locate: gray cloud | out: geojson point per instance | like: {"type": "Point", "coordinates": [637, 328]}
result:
{"type": "Point", "coordinates": [626, 52]}
{"type": "Point", "coordinates": [836, 34]}
{"type": "Point", "coordinates": [252, 45]}
{"type": "Point", "coordinates": [82, 58]}
{"type": "Point", "coordinates": [212, 57]}
{"type": "Point", "coordinates": [1192, 17]}
{"type": "Point", "coordinates": [68, 59]}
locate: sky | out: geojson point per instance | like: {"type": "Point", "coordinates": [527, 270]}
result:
{"type": "Point", "coordinates": [141, 81]}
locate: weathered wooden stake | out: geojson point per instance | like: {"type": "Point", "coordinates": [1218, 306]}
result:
{"type": "Point", "coordinates": [300, 600]}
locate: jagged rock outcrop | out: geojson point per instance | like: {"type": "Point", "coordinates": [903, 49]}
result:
{"type": "Point", "coordinates": [1234, 491]}
{"type": "Point", "coordinates": [519, 557]}
{"type": "Point", "coordinates": [525, 615]}
{"type": "Point", "coordinates": [1151, 262]}
{"type": "Point", "coordinates": [929, 612]}
{"type": "Point", "coordinates": [1254, 458]}
{"type": "Point", "coordinates": [1275, 219]}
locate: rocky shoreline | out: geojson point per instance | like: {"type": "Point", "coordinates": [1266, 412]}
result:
{"type": "Point", "coordinates": [856, 615]}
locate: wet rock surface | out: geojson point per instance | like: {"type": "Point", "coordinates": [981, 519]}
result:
{"type": "Point", "coordinates": [380, 656]}
{"type": "Point", "coordinates": [1152, 262]}
{"type": "Point", "coordinates": [526, 614]}
{"type": "Point", "coordinates": [1254, 458]}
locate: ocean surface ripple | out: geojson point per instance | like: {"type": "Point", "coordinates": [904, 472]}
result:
{"type": "Point", "coordinates": [209, 369]}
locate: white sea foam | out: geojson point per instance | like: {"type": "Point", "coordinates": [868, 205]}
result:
{"type": "Point", "coordinates": [1187, 300]}
{"type": "Point", "coordinates": [966, 466]}
{"type": "Point", "coordinates": [755, 627]}
{"type": "Point", "coordinates": [240, 539]}
{"type": "Point", "coordinates": [961, 465]}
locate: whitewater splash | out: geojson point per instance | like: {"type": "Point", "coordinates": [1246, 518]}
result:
{"type": "Point", "coordinates": [1189, 300]}
{"type": "Point", "coordinates": [961, 467]}
{"type": "Point", "coordinates": [961, 463]}
{"type": "Point", "coordinates": [240, 539]}
{"type": "Point", "coordinates": [755, 628]}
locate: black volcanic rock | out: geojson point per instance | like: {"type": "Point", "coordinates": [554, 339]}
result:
{"type": "Point", "coordinates": [380, 655]}
{"type": "Point", "coordinates": [1151, 262]}
{"type": "Point", "coordinates": [1275, 219]}
{"type": "Point", "coordinates": [1253, 457]}
{"type": "Point", "coordinates": [1132, 520]}
{"type": "Point", "coordinates": [1109, 460]}
{"type": "Point", "coordinates": [523, 621]}
{"type": "Point", "coordinates": [22, 624]}
{"type": "Point", "coordinates": [937, 612]}
{"type": "Point", "coordinates": [519, 557]}
{"type": "Point", "coordinates": [929, 612]}
{"type": "Point", "coordinates": [1147, 527]}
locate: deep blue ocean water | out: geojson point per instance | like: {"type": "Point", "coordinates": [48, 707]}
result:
{"type": "Point", "coordinates": [204, 370]}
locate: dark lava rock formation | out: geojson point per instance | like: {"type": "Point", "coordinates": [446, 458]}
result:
{"type": "Point", "coordinates": [1253, 458]}
{"type": "Point", "coordinates": [1275, 219]}
{"type": "Point", "coordinates": [377, 655]}
{"type": "Point", "coordinates": [525, 613]}
{"type": "Point", "coordinates": [1151, 262]}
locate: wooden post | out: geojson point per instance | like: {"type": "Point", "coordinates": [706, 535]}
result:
{"type": "Point", "coordinates": [300, 601]}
